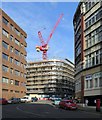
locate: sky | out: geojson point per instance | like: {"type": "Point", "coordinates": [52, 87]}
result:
{"type": "Point", "coordinates": [34, 16]}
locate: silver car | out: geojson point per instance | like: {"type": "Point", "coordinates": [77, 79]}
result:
{"type": "Point", "coordinates": [14, 100]}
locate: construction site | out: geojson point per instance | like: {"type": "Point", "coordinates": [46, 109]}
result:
{"type": "Point", "coordinates": [50, 78]}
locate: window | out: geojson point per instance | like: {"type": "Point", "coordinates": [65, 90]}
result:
{"type": "Point", "coordinates": [4, 56]}
{"type": "Point", "coordinates": [100, 81]}
{"type": "Point", "coordinates": [5, 45]}
{"type": "Point", "coordinates": [5, 68]}
{"type": "Point", "coordinates": [94, 37]}
{"type": "Point", "coordinates": [5, 33]}
{"type": "Point", "coordinates": [21, 35]}
{"type": "Point", "coordinates": [94, 18]}
{"type": "Point", "coordinates": [17, 42]}
{"type": "Point", "coordinates": [17, 52]}
{"type": "Point", "coordinates": [17, 73]}
{"type": "Point", "coordinates": [11, 37]}
{"type": "Point", "coordinates": [5, 21]}
{"type": "Point", "coordinates": [5, 80]}
{"type": "Point", "coordinates": [11, 59]}
{"type": "Point", "coordinates": [17, 62]}
{"type": "Point", "coordinates": [11, 49]}
{"type": "Point", "coordinates": [21, 45]}
{"type": "Point", "coordinates": [86, 83]}
{"type": "Point", "coordinates": [96, 82]}
{"type": "Point", "coordinates": [93, 61]}
{"type": "Point", "coordinates": [11, 26]}
{"type": "Point", "coordinates": [97, 57]}
{"type": "Point", "coordinates": [22, 65]}
{"type": "Point", "coordinates": [11, 82]}
{"type": "Point", "coordinates": [16, 82]}
{"type": "Point", "coordinates": [16, 91]}
{"type": "Point", "coordinates": [11, 70]}
{"type": "Point", "coordinates": [91, 84]}
{"type": "Point", "coordinates": [5, 90]}
{"type": "Point", "coordinates": [17, 32]}
{"type": "Point", "coordinates": [86, 24]}
{"type": "Point", "coordinates": [21, 54]}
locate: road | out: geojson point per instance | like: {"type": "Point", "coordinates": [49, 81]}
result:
{"type": "Point", "coordinates": [33, 110]}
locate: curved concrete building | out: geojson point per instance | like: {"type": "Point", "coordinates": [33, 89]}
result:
{"type": "Point", "coordinates": [50, 77]}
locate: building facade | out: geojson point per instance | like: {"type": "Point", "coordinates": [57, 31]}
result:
{"type": "Point", "coordinates": [12, 58]}
{"type": "Point", "coordinates": [88, 51]}
{"type": "Point", "coordinates": [50, 78]}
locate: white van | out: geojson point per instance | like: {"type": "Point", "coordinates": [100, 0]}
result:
{"type": "Point", "coordinates": [26, 99]}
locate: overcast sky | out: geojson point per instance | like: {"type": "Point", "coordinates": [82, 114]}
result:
{"type": "Point", "coordinates": [34, 16]}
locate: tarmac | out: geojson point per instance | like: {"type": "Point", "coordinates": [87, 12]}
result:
{"type": "Point", "coordinates": [82, 107]}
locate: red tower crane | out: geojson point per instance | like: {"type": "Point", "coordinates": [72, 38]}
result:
{"type": "Point", "coordinates": [44, 46]}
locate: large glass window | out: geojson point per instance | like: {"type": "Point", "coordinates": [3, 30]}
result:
{"type": "Point", "coordinates": [5, 45]}
{"type": "Point", "coordinates": [5, 68]}
{"type": "Point", "coordinates": [93, 58]}
{"type": "Point", "coordinates": [96, 16]}
{"type": "Point", "coordinates": [4, 56]}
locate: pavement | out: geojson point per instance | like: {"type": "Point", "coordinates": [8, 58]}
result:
{"type": "Point", "coordinates": [80, 106]}
{"type": "Point", "coordinates": [89, 108]}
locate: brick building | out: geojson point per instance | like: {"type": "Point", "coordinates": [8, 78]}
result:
{"type": "Point", "coordinates": [12, 58]}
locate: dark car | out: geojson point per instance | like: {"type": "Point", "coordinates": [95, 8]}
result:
{"type": "Point", "coordinates": [34, 99]}
{"type": "Point", "coordinates": [3, 101]}
{"type": "Point", "coordinates": [68, 104]}
{"type": "Point", "coordinates": [14, 100]}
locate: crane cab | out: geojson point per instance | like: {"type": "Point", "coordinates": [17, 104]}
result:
{"type": "Point", "coordinates": [37, 48]}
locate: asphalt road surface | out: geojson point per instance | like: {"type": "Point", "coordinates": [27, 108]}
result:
{"type": "Point", "coordinates": [31, 110]}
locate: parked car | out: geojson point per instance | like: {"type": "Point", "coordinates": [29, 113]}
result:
{"type": "Point", "coordinates": [56, 101]}
{"type": "Point", "coordinates": [14, 100]}
{"type": "Point", "coordinates": [3, 101]}
{"type": "Point", "coordinates": [68, 104]}
{"type": "Point", "coordinates": [34, 99]}
{"type": "Point", "coordinates": [54, 98]}
{"type": "Point", "coordinates": [26, 99]}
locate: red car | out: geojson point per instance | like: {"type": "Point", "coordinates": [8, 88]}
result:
{"type": "Point", "coordinates": [3, 101]}
{"type": "Point", "coordinates": [68, 104]}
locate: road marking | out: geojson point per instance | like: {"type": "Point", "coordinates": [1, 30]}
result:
{"type": "Point", "coordinates": [38, 115]}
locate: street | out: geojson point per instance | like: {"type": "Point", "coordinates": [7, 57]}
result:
{"type": "Point", "coordinates": [38, 110]}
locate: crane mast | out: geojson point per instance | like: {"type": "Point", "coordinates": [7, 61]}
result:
{"type": "Point", "coordinates": [44, 46]}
